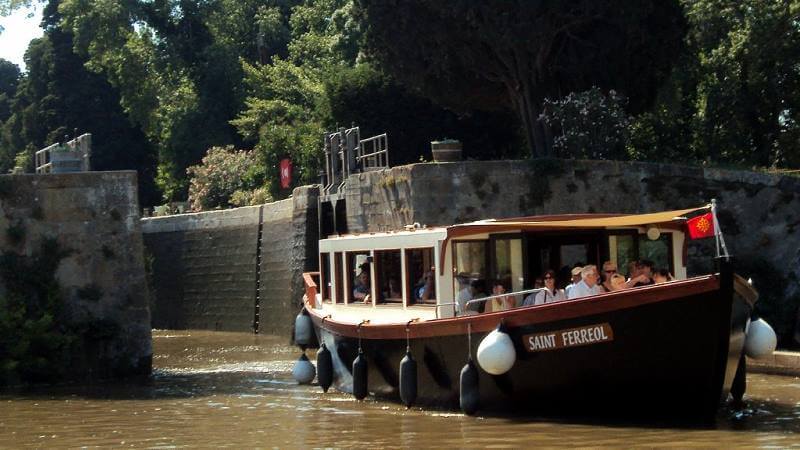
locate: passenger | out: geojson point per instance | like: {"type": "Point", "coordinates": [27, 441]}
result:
{"type": "Point", "coordinates": [618, 282]}
{"type": "Point", "coordinates": [550, 294]}
{"type": "Point", "coordinates": [662, 276]}
{"type": "Point", "coordinates": [609, 269]}
{"type": "Point", "coordinates": [644, 270]}
{"type": "Point", "coordinates": [576, 278]}
{"type": "Point", "coordinates": [478, 291]}
{"type": "Point", "coordinates": [465, 292]}
{"type": "Point", "coordinates": [426, 289]}
{"type": "Point", "coordinates": [500, 303]}
{"type": "Point", "coordinates": [393, 290]}
{"type": "Point", "coordinates": [538, 283]}
{"type": "Point", "coordinates": [588, 284]}
{"type": "Point", "coordinates": [361, 291]}
{"type": "Point", "coordinates": [632, 269]}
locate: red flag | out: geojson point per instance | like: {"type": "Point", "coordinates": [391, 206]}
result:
{"type": "Point", "coordinates": [286, 173]}
{"type": "Point", "coordinates": [701, 226]}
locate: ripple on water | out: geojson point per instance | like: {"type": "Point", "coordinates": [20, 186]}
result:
{"type": "Point", "coordinates": [235, 389]}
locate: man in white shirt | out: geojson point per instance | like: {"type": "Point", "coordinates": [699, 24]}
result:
{"type": "Point", "coordinates": [588, 284]}
{"type": "Point", "coordinates": [576, 278]}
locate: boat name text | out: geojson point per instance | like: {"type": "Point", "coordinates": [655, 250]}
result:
{"type": "Point", "coordinates": [573, 337]}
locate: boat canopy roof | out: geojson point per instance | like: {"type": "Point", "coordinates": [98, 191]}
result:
{"type": "Point", "coordinates": [663, 219]}
{"type": "Point", "coordinates": [576, 221]}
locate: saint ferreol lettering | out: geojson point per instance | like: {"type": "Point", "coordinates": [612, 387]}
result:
{"type": "Point", "coordinates": [574, 337]}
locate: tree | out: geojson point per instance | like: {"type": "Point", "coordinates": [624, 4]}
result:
{"type": "Point", "coordinates": [748, 90]}
{"type": "Point", "coordinates": [9, 79]}
{"type": "Point", "coordinates": [513, 54]}
{"type": "Point", "coordinates": [284, 111]}
{"type": "Point", "coordinates": [59, 96]}
{"type": "Point", "coordinates": [177, 66]}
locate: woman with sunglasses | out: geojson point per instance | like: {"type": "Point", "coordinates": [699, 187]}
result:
{"type": "Point", "coordinates": [550, 293]}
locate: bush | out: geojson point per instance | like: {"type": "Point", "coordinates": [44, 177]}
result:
{"type": "Point", "coordinates": [588, 125]}
{"type": "Point", "coordinates": [223, 172]}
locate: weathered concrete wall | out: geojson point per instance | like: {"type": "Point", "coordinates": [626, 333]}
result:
{"type": "Point", "coordinates": [203, 269]}
{"type": "Point", "coordinates": [204, 265]}
{"type": "Point", "coordinates": [95, 217]}
{"type": "Point", "coordinates": [759, 213]}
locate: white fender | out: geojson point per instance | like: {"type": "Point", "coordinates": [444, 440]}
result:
{"type": "Point", "coordinates": [303, 327]}
{"type": "Point", "coordinates": [496, 354]}
{"type": "Point", "coordinates": [761, 339]}
{"type": "Point", "coordinates": [303, 371]}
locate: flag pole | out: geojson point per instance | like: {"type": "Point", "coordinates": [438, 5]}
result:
{"type": "Point", "coordinates": [717, 231]}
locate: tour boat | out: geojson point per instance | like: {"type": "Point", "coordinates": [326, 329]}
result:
{"type": "Point", "coordinates": [671, 348]}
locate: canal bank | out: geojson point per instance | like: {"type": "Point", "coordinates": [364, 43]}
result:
{"type": "Point", "coordinates": [779, 363]}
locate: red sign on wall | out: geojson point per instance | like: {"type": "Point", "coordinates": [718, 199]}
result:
{"type": "Point", "coordinates": [286, 173]}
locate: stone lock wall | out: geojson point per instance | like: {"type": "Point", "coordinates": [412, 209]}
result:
{"type": "Point", "coordinates": [204, 265]}
{"type": "Point", "coordinates": [759, 213]}
{"type": "Point", "coordinates": [94, 219]}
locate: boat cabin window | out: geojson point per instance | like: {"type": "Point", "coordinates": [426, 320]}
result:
{"type": "Point", "coordinates": [338, 277]}
{"type": "Point", "coordinates": [325, 276]}
{"type": "Point", "coordinates": [508, 265]}
{"type": "Point", "coordinates": [629, 248]}
{"type": "Point", "coordinates": [421, 281]}
{"type": "Point", "coordinates": [359, 277]}
{"type": "Point", "coordinates": [389, 273]}
{"type": "Point", "coordinates": [470, 261]}
{"type": "Point", "coordinates": [561, 252]}
{"type": "Point", "coordinates": [659, 251]}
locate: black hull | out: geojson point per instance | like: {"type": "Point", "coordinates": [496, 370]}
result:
{"type": "Point", "coordinates": [674, 358]}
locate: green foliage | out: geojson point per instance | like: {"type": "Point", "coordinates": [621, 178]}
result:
{"type": "Point", "coordinates": [375, 101]}
{"type": "Point", "coordinates": [223, 178]}
{"type": "Point", "coordinates": [512, 55]}
{"type": "Point", "coordinates": [748, 86]}
{"type": "Point", "coordinates": [588, 125]}
{"type": "Point", "coordinates": [34, 343]}
{"type": "Point", "coordinates": [285, 108]}
{"type": "Point", "coordinates": [58, 97]}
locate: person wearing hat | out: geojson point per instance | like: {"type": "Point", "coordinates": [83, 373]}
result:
{"type": "Point", "coordinates": [576, 278]}
{"type": "Point", "coordinates": [588, 284]}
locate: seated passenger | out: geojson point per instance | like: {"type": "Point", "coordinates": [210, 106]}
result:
{"type": "Point", "coordinates": [576, 278]}
{"type": "Point", "coordinates": [393, 290]}
{"type": "Point", "coordinates": [644, 270]}
{"type": "Point", "coordinates": [361, 291]}
{"type": "Point", "coordinates": [662, 276]}
{"type": "Point", "coordinates": [500, 303]}
{"type": "Point", "coordinates": [588, 284]}
{"type": "Point", "coordinates": [550, 294]}
{"type": "Point", "coordinates": [426, 288]}
{"type": "Point", "coordinates": [609, 269]}
{"type": "Point", "coordinates": [618, 282]}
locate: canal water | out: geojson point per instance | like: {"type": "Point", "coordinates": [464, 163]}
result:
{"type": "Point", "coordinates": [212, 389]}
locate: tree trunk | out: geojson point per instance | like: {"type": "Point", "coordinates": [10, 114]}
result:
{"type": "Point", "coordinates": [528, 113]}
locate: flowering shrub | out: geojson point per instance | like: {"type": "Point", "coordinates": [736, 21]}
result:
{"type": "Point", "coordinates": [588, 125]}
{"type": "Point", "coordinates": [224, 172]}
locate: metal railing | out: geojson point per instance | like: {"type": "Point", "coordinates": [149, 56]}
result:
{"type": "Point", "coordinates": [72, 156]}
{"type": "Point", "coordinates": [373, 153]}
{"type": "Point", "coordinates": [475, 301]}
{"type": "Point", "coordinates": [346, 153]}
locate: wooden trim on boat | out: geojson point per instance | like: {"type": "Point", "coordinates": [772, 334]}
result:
{"type": "Point", "coordinates": [526, 315]}
{"type": "Point", "coordinates": [311, 286]}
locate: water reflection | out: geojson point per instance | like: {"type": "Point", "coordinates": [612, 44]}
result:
{"type": "Point", "coordinates": [229, 389]}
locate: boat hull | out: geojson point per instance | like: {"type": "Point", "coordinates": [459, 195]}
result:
{"type": "Point", "coordinates": [675, 356]}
